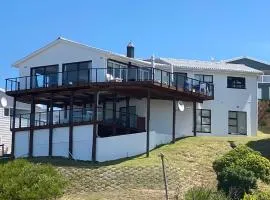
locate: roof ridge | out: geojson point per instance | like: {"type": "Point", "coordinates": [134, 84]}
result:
{"type": "Point", "coordinates": [247, 57]}
{"type": "Point", "coordinates": [201, 61]}
{"type": "Point", "coordinates": [204, 65]}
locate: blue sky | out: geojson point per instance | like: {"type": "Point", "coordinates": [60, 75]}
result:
{"type": "Point", "coordinates": [182, 28]}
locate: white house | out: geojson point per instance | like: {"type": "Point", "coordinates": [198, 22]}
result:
{"type": "Point", "coordinates": [6, 110]}
{"type": "Point", "coordinates": [104, 106]}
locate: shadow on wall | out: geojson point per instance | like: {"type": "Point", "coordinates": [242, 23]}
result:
{"type": "Point", "coordinates": [262, 146]}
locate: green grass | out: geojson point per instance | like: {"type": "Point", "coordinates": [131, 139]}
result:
{"type": "Point", "coordinates": [188, 163]}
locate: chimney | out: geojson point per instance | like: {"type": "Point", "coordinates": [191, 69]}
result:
{"type": "Point", "coordinates": [130, 50]}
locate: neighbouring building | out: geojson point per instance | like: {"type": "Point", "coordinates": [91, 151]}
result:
{"type": "Point", "coordinates": [103, 106]}
{"type": "Point", "coordinates": [264, 80]}
{"type": "Point", "coordinates": [6, 110]}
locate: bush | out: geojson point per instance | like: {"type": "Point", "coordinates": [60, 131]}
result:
{"type": "Point", "coordinates": [262, 123]}
{"type": "Point", "coordinates": [257, 196]}
{"type": "Point", "coordinates": [236, 181]}
{"type": "Point", "coordinates": [23, 180]}
{"type": "Point", "coordinates": [238, 171]}
{"type": "Point", "coordinates": [268, 109]}
{"type": "Point", "coordinates": [245, 158]}
{"type": "Point", "coordinates": [202, 193]}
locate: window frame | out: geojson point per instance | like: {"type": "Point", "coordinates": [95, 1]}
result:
{"type": "Point", "coordinates": [4, 113]}
{"type": "Point", "coordinates": [204, 75]}
{"type": "Point", "coordinates": [124, 108]}
{"type": "Point", "coordinates": [112, 69]}
{"type": "Point", "coordinates": [231, 86]}
{"type": "Point", "coordinates": [44, 75]}
{"type": "Point", "coordinates": [64, 73]}
{"type": "Point", "coordinates": [236, 119]}
{"type": "Point", "coordinates": [201, 121]}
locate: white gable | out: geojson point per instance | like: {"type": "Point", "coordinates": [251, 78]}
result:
{"type": "Point", "coordinates": [60, 53]}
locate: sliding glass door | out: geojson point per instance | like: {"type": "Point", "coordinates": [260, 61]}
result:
{"type": "Point", "coordinates": [45, 76]}
{"type": "Point", "coordinates": [78, 73]}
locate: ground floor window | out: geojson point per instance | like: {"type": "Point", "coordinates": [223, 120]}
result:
{"type": "Point", "coordinates": [203, 120]}
{"type": "Point", "coordinates": [237, 122]}
{"type": "Point", "coordinates": [132, 116]}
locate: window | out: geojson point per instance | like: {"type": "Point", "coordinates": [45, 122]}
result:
{"type": "Point", "coordinates": [9, 112]}
{"type": "Point", "coordinates": [237, 122]}
{"type": "Point", "coordinates": [6, 112]}
{"type": "Point", "coordinates": [77, 73]}
{"type": "Point", "coordinates": [117, 70]}
{"type": "Point", "coordinates": [45, 76]}
{"type": "Point", "coordinates": [203, 120]}
{"type": "Point", "coordinates": [259, 93]}
{"type": "Point", "coordinates": [179, 79]}
{"type": "Point", "coordinates": [132, 116]}
{"type": "Point", "coordinates": [236, 82]}
{"type": "Point", "coordinates": [204, 78]}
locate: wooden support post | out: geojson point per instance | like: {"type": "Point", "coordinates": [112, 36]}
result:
{"type": "Point", "coordinates": [148, 123]}
{"type": "Point", "coordinates": [70, 146]}
{"type": "Point", "coordinates": [50, 124]}
{"type": "Point", "coordinates": [127, 113]}
{"type": "Point", "coordinates": [32, 124]}
{"type": "Point", "coordinates": [164, 176]}
{"type": "Point", "coordinates": [65, 111]}
{"type": "Point", "coordinates": [194, 119]}
{"type": "Point", "coordinates": [94, 145]}
{"type": "Point", "coordinates": [104, 111]}
{"type": "Point", "coordinates": [114, 113]}
{"type": "Point", "coordinates": [13, 127]}
{"type": "Point", "coordinates": [174, 120]}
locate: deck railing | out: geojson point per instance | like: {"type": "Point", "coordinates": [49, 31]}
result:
{"type": "Point", "coordinates": [97, 75]}
{"type": "Point", "coordinates": [264, 79]}
{"type": "Point", "coordinates": [80, 115]}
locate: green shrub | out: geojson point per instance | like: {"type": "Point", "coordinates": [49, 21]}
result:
{"type": "Point", "coordinates": [268, 109]}
{"type": "Point", "coordinates": [23, 180]}
{"type": "Point", "coordinates": [257, 196]}
{"type": "Point", "coordinates": [202, 193]}
{"type": "Point", "coordinates": [236, 181]}
{"type": "Point", "coordinates": [238, 171]}
{"type": "Point", "coordinates": [246, 158]}
{"type": "Point", "coordinates": [262, 123]}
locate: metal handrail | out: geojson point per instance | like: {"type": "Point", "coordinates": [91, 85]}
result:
{"type": "Point", "coordinates": [94, 75]}
{"type": "Point", "coordinates": [23, 120]}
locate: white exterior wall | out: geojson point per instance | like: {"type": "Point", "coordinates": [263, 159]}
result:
{"type": "Point", "coordinates": [82, 142]}
{"type": "Point", "coordinates": [123, 146]}
{"type": "Point", "coordinates": [60, 142]}
{"type": "Point", "coordinates": [161, 116]}
{"type": "Point", "coordinates": [21, 144]}
{"type": "Point", "coordinates": [41, 142]}
{"type": "Point", "coordinates": [229, 99]}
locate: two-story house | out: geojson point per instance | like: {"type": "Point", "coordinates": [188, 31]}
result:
{"type": "Point", "coordinates": [104, 106]}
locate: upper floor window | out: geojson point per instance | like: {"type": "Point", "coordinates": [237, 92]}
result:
{"type": "Point", "coordinates": [44, 76]}
{"type": "Point", "coordinates": [77, 73]}
{"type": "Point", "coordinates": [236, 82]}
{"type": "Point", "coordinates": [116, 70]}
{"type": "Point", "coordinates": [204, 78]}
